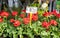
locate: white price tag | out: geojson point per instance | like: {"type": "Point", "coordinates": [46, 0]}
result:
{"type": "Point", "coordinates": [27, 9]}
{"type": "Point", "coordinates": [31, 10]}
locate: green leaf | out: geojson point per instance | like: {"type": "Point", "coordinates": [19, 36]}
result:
{"type": "Point", "coordinates": [44, 33]}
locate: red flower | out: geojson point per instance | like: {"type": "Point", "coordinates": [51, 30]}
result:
{"type": "Point", "coordinates": [17, 23]}
{"type": "Point", "coordinates": [22, 15]}
{"type": "Point", "coordinates": [14, 13]}
{"type": "Point", "coordinates": [58, 15]}
{"type": "Point", "coordinates": [24, 11]}
{"type": "Point", "coordinates": [34, 17]}
{"type": "Point", "coordinates": [45, 24]}
{"type": "Point", "coordinates": [53, 22]}
{"type": "Point", "coordinates": [54, 12]}
{"type": "Point", "coordinates": [26, 20]}
{"type": "Point", "coordinates": [1, 20]}
{"type": "Point", "coordinates": [12, 20]}
{"type": "Point", "coordinates": [46, 14]}
{"type": "Point", "coordinates": [4, 14]}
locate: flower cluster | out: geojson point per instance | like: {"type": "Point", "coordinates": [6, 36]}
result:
{"type": "Point", "coordinates": [21, 23]}
{"type": "Point", "coordinates": [51, 22]}
{"type": "Point", "coordinates": [47, 24]}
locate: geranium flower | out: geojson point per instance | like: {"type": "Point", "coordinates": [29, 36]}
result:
{"type": "Point", "coordinates": [58, 15]}
{"type": "Point", "coordinates": [53, 22]}
{"type": "Point", "coordinates": [54, 12]}
{"type": "Point", "coordinates": [14, 13]}
{"type": "Point", "coordinates": [12, 20]}
{"type": "Point", "coordinates": [45, 24]}
{"type": "Point", "coordinates": [4, 14]}
{"type": "Point", "coordinates": [46, 14]}
{"type": "Point", "coordinates": [26, 20]}
{"type": "Point", "coordinates": [17, 23]}
{"type": "Point", "coordinates": [34, 17]}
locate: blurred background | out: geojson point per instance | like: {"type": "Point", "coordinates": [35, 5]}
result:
{"type": "Point", "coordinates": [24, 3]}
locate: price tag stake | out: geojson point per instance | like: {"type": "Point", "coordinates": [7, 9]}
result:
{"type": "Point", "coordinates": [31, 10]}
{"type": "Point", "coordinates": [30, 19]}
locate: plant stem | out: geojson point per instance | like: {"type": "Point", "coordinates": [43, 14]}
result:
{"type": "Point", "coordinates": [5, 21]}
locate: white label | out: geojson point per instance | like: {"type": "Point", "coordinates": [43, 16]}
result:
{"type": "Point", "coordinates": [10, 3]}
{"type": "Point", "coordinates": [27, 9]}
{"type": "Point", "coordinates": [31, 10]}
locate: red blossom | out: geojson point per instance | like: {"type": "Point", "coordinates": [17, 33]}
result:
{"type": "Point", "coordinates": [17, 23]}
{"type": "Point", "coordinates": [26, 20]}
{"type": "Point", "coordinates": [4, 14]}
{"type": "Point", "coordinates": [34, 17]}
{"type": "Point", "coordinates": [12, 20]}
{"type": "Point", "coordinates": [46, 14]}
{"type": "Point", "coordinates": [14, 13]}
{"type": "Point", "coordinates": [53, 22]}
{"type": "Point", "coordinates": [58, 15]}
{"type": "Point", "coordinates": [45, 24]}
{"type": "Point", "coordinates": [54, 12]}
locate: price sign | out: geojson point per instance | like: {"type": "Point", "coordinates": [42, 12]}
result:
{"type": "Point", "coordinates": [31, 10]}
{"type": "Point", "coordinates": [10, 3]}
{"type": "Point", "coordinates": [27, 9]}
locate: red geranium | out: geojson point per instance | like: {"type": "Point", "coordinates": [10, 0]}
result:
{"type": "Point", "coordinates": [26, 20]}
{"type": "Point", "coordinates": [1, 19]}
{"type": "Point", "coordinates": [14, 13]}
{"type": "Point", "coordinates": [17, 23]}
{"type": "Point", "coordinates": [22, 15]}
{"type": "Point", "coordinates": [46, 14]}
{"type": "Point", "coordinates": [12, 20]}
{"type": "Point", "coordinates": [45, 24]}
{"type": "Point", "coordinates": [4, 14]}
{"type": "Point", "coordinates": [34, 17]}
{"type": "Point", "coordinates": [53, 22]}
{"type": "Point", "coordinates": [58, 15]}
{"type": "Point", "coordinates": [54, 12]}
